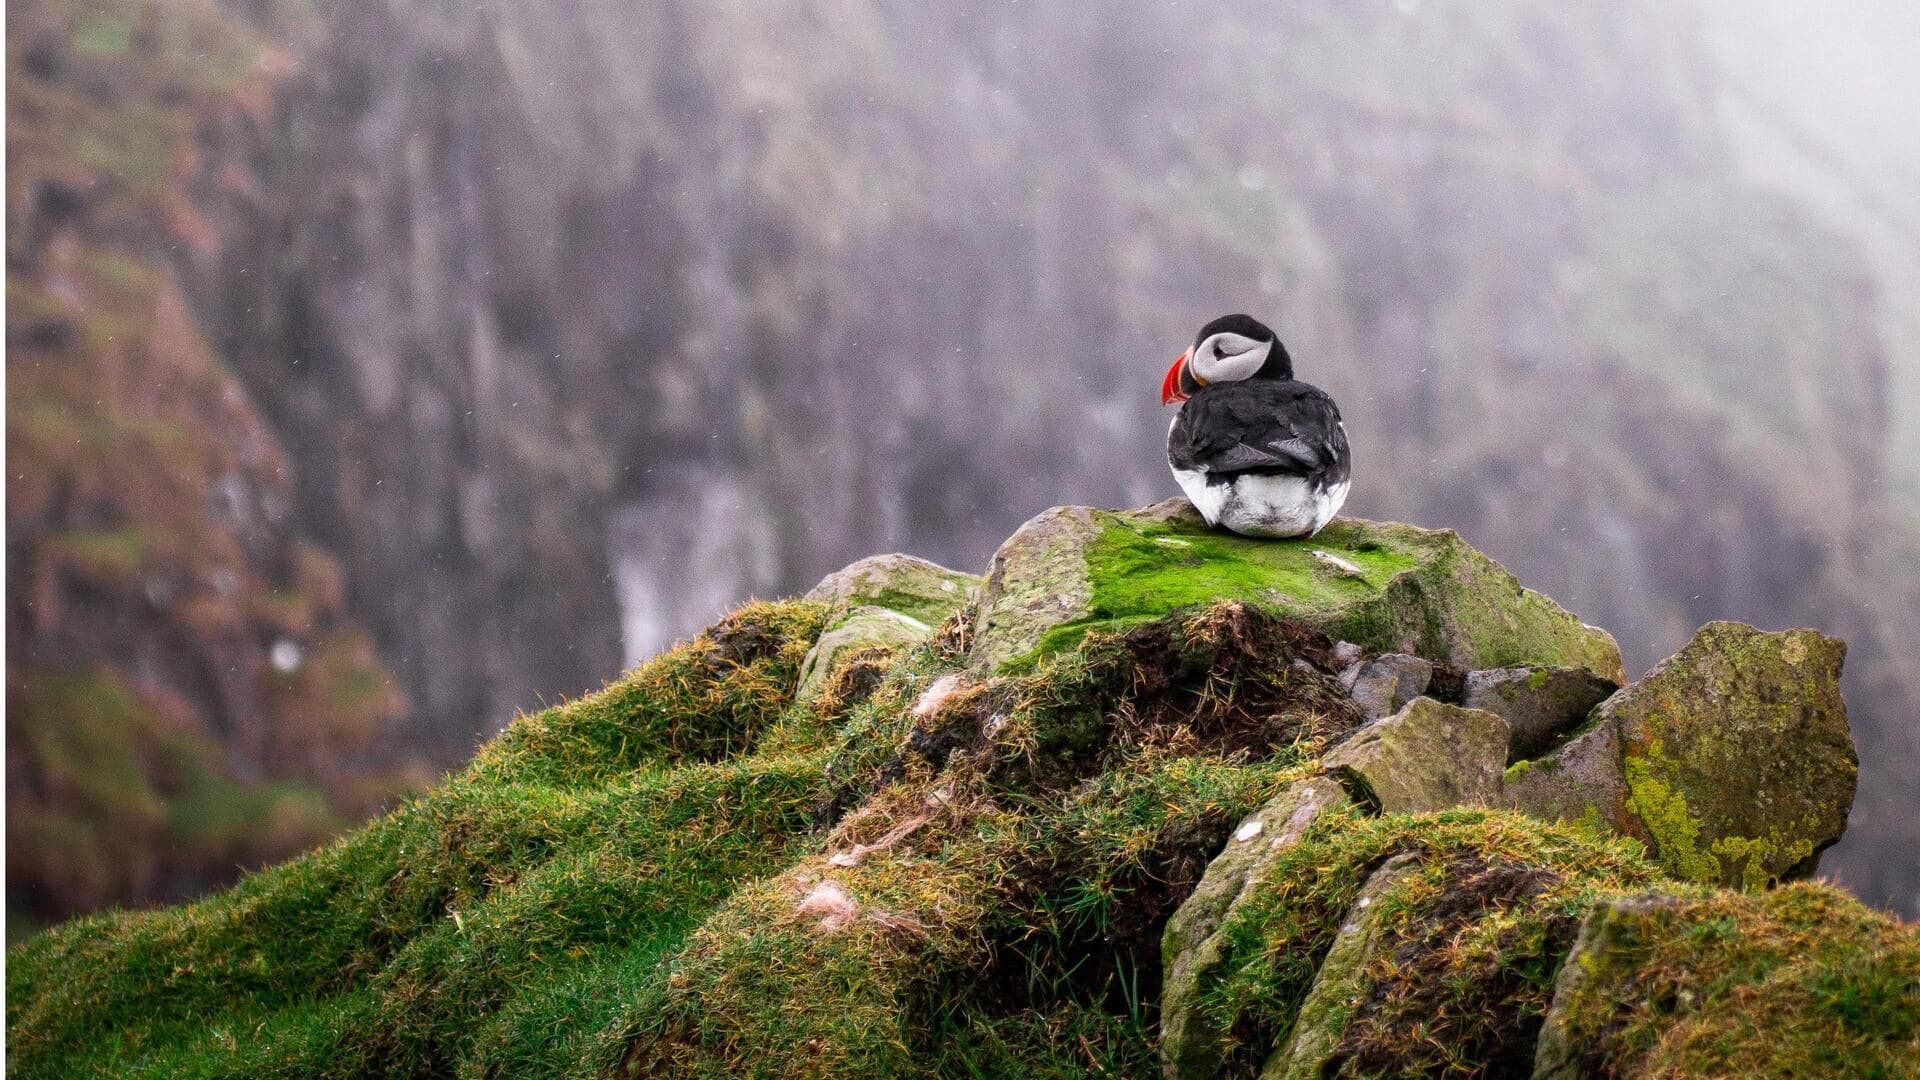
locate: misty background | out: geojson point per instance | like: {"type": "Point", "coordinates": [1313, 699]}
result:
{"type": "Point", "coordinates": [377, 370]}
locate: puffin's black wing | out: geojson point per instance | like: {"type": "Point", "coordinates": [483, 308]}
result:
{"type": "Point", "coordinates": [1261, 426]}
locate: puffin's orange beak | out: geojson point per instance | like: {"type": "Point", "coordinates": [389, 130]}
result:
{"type": "Point", "coordinates": [1170, 392]}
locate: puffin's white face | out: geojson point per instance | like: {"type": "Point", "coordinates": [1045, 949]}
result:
{"type": "Point", "coordinates": [1228, 357]}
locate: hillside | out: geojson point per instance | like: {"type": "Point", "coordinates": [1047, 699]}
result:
{"type": "Point", "coordinates": [1144, 797]}
{"type": "Point", "coordinates": [185, 687]}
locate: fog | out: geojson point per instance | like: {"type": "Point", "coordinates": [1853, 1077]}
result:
{"type": "Point", "coordinates": [556, 329]}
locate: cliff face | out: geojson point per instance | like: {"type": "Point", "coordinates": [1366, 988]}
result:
{"type": "Point", "coordinates": [185, 689]}
{"type": "Point", "coordinates": [578, 322]}
{"type": "Point", "coordinates": [1149, 831]}
{"type": "Point", "coordinates": [564, 306]}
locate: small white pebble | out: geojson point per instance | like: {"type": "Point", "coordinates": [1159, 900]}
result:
{"type": "Point", "coordinates": [1248, 829]}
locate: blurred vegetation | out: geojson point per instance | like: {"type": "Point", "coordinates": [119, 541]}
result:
{"type": "Point", "coordinates": [185, 693]}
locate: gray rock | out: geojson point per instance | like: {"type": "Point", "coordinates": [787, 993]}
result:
{"type": "Point", "coordinates": [1383, 686]}
{"type": "Point", "coordinates": [907, 584]}
{"type": "Point", "coordinates": [1580, 780]}
{"type": "Point", "coordinates": [1346, 654]}
{"type": "Point", "coordinates": [1428, 756]}
{"type": "Point", "coordinates": [1539, 704]}
{"type": "Point", "coordinates": [1038, 580]}
{"type": "Point", "coordinates": [1323, 1016]}
{"type": "Point", "coordinates": [1731, 760]}
{"type": "Point", "coordinates": [860, 628]}
{"type": "Point", "coordinates": [1190, 1046]}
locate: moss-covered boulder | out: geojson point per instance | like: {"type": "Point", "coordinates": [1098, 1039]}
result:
{"type": "Point", "coordinates": [880, 601]}
{"type": "Point", "coordinates": [1142, 841]}
{"type": "Point", "coordinates": [1731, 759]}
{"type": "Point", "coordinates": [1428, 756]}
{"type": "Point", "coordinates": [1342, 978]}
{"type": "Point", "coordinates": [1191, 1045]}
{"type": "Point", "coordinates": [1385, 587]}
{"type": "Point", "coordinates": [907, 584]}
{"type": "Point", "coordinates": [861, 628]}
{"type": "Point", "coordinates": [1796, 982]}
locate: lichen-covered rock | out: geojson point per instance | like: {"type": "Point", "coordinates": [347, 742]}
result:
{"type": "Point", "coordinates": [1323, 1015]}
{"type": "Point", "coordinates": [1190, 1045]}
{"type": "Point", "coordinates": [1539, 704]}
{"type": "Point", "coordinates": [1385, 587]}
{"type": "Point", "coordinates": [1731, 759]}
{"type": "Point", "coordinates": [907, 584]}
{"type": "Point", "coordinates": [1737, 755]}
{"type": "Point", "coordinates": [1582, 780]}
{"type": "Point", "coordinates": [860, 628]}
{"type": "Point", "coordinates": [1428, 756]}
{"type": "Point", "coordinates": [1383, 686]}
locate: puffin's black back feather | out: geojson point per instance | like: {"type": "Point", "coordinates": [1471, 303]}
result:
{"type": "Point", "coordinates": [1272, 426]}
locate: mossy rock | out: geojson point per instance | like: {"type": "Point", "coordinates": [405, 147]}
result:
{"type": "Point", "coordinates": [1731, 759]}
{"type": "Point", "coordinates": [1385, 587]}
{"type": "Point", "coordinates": [1191, 1044]}
{"type": "Point", "coordinates": [910, 585]}
{"type": "Point", "coordinates": [1428, 756]}
{"type": "Point", "coordinates": [861, 628]}
{"type": "Point", "coordinates": [882, 600]}
{"type": "Point", "coordinates": [1322, 1020]}
{"type": "Point", "coordinates": [1801, 981]}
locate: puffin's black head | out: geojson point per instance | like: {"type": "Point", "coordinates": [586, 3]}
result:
{"type": "Point", "coordinates": [1228, 349]}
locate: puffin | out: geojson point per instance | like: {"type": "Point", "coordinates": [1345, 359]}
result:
{"type": "Point", "coordinates": [1256, 450]}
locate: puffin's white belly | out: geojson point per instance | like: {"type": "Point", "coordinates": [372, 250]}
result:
{"type": "Point", "coordinates": [1255, 505]}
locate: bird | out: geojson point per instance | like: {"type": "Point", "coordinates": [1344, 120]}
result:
{"type": "Point", "coordinates": [1257, 451]}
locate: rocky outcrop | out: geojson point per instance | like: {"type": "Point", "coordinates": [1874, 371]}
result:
{"type": "Point", "coordinates": [1193, 1042]}
{"type": "Point", "coordinates": [936, 867]}
{"type": "Point", "coordinates": [1387, 588]}
{"type": "Point", "coordinates": [1321, 1021]}
{"type": "Point", "coordinates": [1731, 759]}
{"type": "Point", "coordinates": [883, 600]}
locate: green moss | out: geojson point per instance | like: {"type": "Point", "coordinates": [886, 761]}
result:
{"type": "Point", "coordinates": [1458, 987]}
{"type": "Point", "coordinates": [692, 874]}
{"type": "Point", "coordinates": [708, 699]}
{"type": "Point", "coordinates": [1393, 587]}
{"type": "Point", "coordinates": [1799, 981]}
{"type": "Point", "coordinates": [1142, 571]}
